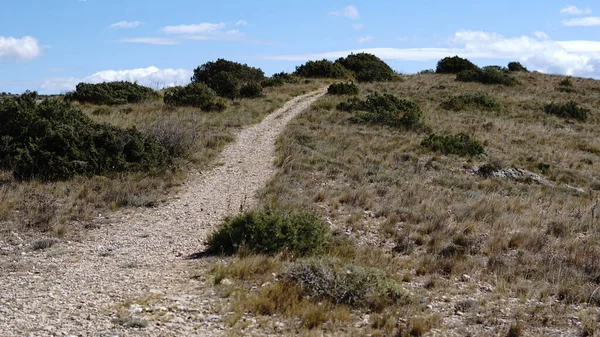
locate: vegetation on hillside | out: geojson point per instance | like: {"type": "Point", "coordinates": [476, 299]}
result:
{"type": "Point", "coordinates": [54, 140]}
{"type": "Point", "coordinates": [227, 78]}
{"type": "Point", "coordinates": [111, 93]}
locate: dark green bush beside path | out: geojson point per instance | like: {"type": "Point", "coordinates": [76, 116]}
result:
{"type": "Point", "coordinates": [343, 89]}
{"type": "Point", "coordinates": [111, 93]}
{"type": "Point", "coordinates": [384, 109]}
{"type": "Point", "coordinates": [55, 141]}
{"type": "Point", "coordinates": [271, 232]}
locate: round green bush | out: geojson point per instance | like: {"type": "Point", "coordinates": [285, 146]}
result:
{"type": "Point", "coordinates": [367, 67]}
{"type": "Point", "coordinates": [454, 65]}
{"type": "Point", "coordinates": [516, 66]}
{"type": "Point", "coordinates": [226, 77]}
{"type": "Point", "coordinates": [385, 109]}
{"type": "Point", "coordinates": [197, 95]}
{"type": "Point", "coordinates": [251, 90]}
{"type": "Point", "coordinates": [270, 232]}
{"type": "Point", "coordinates": [343, 89]}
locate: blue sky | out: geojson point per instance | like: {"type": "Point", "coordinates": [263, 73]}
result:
{"type": "Point", "coordinates": [50, 46]}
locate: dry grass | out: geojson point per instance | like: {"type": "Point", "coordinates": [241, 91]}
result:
{"type": "Point", "coordinates": [60, 207]}
{"type": "Point", "coordinates": [519, 239]}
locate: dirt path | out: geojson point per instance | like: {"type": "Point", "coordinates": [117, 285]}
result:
{"type": "Point", "coordinates": [133, 266]}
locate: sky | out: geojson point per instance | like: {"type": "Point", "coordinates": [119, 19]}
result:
{"type": "Point", "coordinates": [51, 45]}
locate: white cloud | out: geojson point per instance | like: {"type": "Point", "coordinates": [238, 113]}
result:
{"type": "Point", "coordinates": [126, 24]}
{"type": "Point", "coordinates": [364, 39]}
{"type": "Point", "coordinates": [350, 12]}
{"type": "Point", "coordinates": [164, 41]}
{"type": "Point", "coordinates": [582, 22]}
{"type": "Point", "coordinates": [201, 28]}
{"type": "Point", "coordinates": [538, 52]}
{"type": "Point", "coordinates": [358, 26]}
{"type": "Point", "coordinates": [23, 49]}
{"type": "Point", "coordinates": [152, 77]}
{"type": "Point", "coordinates": [199, 32]}
{"type": "Point", "coordinates": [574, 10]}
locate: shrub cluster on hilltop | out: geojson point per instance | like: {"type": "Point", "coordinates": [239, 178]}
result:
{"type": "Point", "coordinates": [362, 66]}
{"type": "Point", "coordinates": [321, 69]}
{"type": "Point", "coordinates": [367, 67]}
{"type": "Point", "coordinates": [467, 71]}
{"type": "Point", "coordinates": [230, 79]}
{"type": "Point", "coordinates": [54, 140]}
{"type": "Point", "coordinates": [111, 93]}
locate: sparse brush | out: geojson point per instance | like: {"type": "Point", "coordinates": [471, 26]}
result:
{"type": "Point", "coordinates": [473, 100]}
{"type": "Point", "coordinates": [459, 144]}
{"type": "Point", "coordinates": [567, 110]}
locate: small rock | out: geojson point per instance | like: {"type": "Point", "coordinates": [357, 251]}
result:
{"type": "Point", "coordinates": [226, 282]}
{"type": "Point", "coordinates": [266, 284]}
{"type": "Point", "coordinates": [465, 278]}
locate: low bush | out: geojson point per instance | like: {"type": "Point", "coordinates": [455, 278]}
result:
{"type": "Point", "coordinates": [111, 93]}
{"type": "Point", "coordinates": [251, 90]}
{"type": "Point", "coordinates": [454, 65]}
{"type": "Point", "coordinates": [270, 232]}
{"type": "Point", "coordinates": [566, 85]}
{"type": "Point", "coordinates": [343, 89]}
{"type": "Point", "coordinates": [367, 67]}
{"type": "Point", "coordinates": [459, 144]}
{"type": "Point", "coordinates": [473, 100]}
{"type": "Point", "coordinates": [567, 110]}
{"type": "Point", "coordinates": [488, 75]}
{"type": "Point", "coordinates": [226, 77]}
{"type": "Point", "coordinates": [516, 66]}
{"type": "Point", "coordinates": [54, 141]}
{"type": "Point", "coordinates": [197, 95]}
{"type": "Point", "coordinates": [426, 72]}
{"type": "Point", "coordinates": [321, 69]}
{"type": "Point", "coordinates": [384, 109]}
{"type": "Point", "coordinates": [355, 286]}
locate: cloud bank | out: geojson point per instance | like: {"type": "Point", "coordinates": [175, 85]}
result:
{"type": "Point", "coordinates": [152, 77]}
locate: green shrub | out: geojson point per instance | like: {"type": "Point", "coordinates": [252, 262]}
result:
{"type": "Point", "coordinates": [367, 67]}
{"type": "Point", "coordinates": [567, 110]}
{"type": "Point", "coordinates": [516, 66]}
{"type": "Point", "coordinates": [197, 95]}
{"type": "Point", "coordinates": [271, 232]}
{"type": "Point", "coordinates": [321, 69]}
{"type": "Point", "coordinates": [488, 75]}
{"type": "Point", "coordinates": [343, 89]}
{"type": "Point", "coordinates": [251, 90]}
{"type": "Point", "coordinates": [384, 109]}
{"type": "Point", "coordinates": [454, 65]}
{"type": "Point", "coordinates": [279, 79]}
{"type": "Point", "coordinates": [474, 100]}
{"type": "Point", "coordinates": [566, 82]}
{"type": "Point", "coordinates": [54, 141]}
{"type": "Point", "coordinates": [226, 77]}
{"type": "Point", "coordinates": [111, 93]}
{"type": "Point", "coordinates": [326, 279]}
{"type": "Point", "coordinates": [459, 144]}
{"type": "Point", "coordinates": [426, 71]}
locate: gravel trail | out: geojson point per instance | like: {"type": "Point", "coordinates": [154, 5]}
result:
{"type": "Point", "coordinates": [131, 271]}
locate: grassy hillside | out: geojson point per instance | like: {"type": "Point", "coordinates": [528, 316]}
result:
{"type": "Point", "coordinates": [502, 243]}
